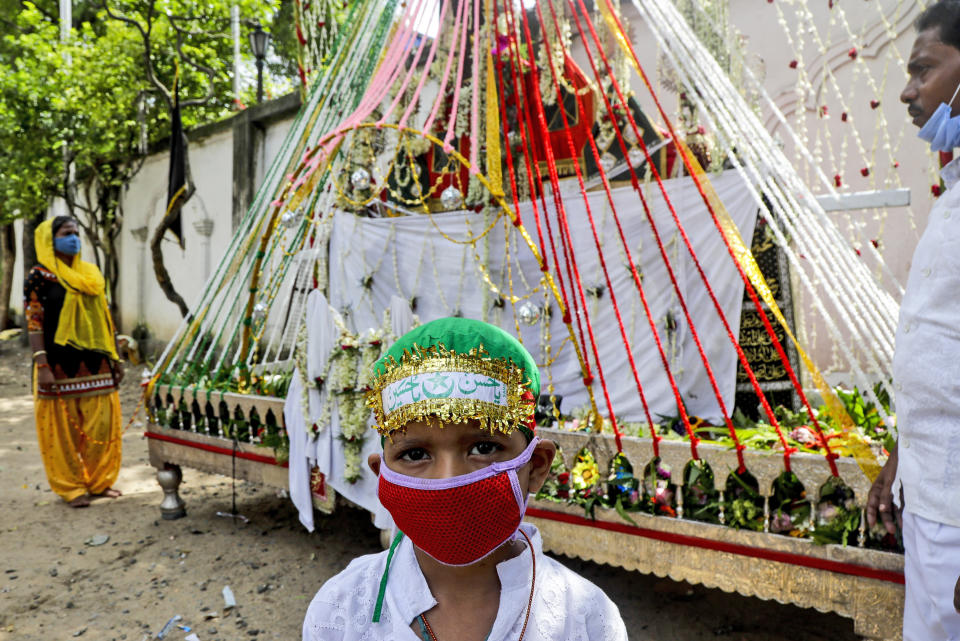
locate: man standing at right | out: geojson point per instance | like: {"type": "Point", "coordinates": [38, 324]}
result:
{"type": "Point", "coordinates": [924, 469]}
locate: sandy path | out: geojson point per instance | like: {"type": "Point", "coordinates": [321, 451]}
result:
{"type": "Point", "coordinates": [53, 586]}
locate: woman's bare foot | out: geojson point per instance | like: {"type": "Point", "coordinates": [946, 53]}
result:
{"type": "Point", "coordinates": [81, 501]}
{"type": "Point", "coordinates": [110, 493]}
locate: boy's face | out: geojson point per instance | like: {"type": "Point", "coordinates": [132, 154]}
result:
{"type": "Point", "coordinates": [426, 450]}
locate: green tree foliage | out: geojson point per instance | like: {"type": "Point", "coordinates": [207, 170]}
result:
{"type": "Point", "coordinates": [76, 118]}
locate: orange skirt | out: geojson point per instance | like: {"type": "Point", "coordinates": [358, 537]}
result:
{"type": "Point", "coordinates": [80, 441]}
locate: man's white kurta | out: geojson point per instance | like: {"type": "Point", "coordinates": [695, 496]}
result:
{"type": "Point", "coordinates": [926, 366]}
{"type": "Point", "coordinates": [565, 605]}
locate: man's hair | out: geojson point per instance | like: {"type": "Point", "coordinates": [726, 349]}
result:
{"type": "Point", "coordinates": [944, 16]}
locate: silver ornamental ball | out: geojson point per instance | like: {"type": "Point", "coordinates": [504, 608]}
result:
{"type": "Point", "coordinates": [607, 161]}
{"type": "Point", "coordinates": [529, 313]}
{"type": "Point", "coordinates": [259, 312]}
{"type": "Point", "coordinates": [636, 157]}
{"type": "Point", "coordinates": [451, 198]}
{"type": "Point", "coordinates": [288, 219]}
{"type": "Point", "coordinates": [360, 179]}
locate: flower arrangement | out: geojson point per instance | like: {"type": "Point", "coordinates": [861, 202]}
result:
{"type": "Point", "coordinates": [354, 416]}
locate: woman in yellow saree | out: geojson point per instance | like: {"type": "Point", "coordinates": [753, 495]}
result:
{"type": "Point", "coordinates": [76, 367]}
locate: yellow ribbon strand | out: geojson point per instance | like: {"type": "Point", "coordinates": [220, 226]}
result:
{"type": "Point", "coordinates": [851, 440]}
{"type": "Point", "coordinates": [494, 171]}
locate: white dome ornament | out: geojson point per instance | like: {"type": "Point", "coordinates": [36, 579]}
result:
{"type": "Point", "coordinates": [451, 198]}
{"type": "Point", "coordinates": [360, 179]}
{"type": "Point", "coordinates": [528, 313]}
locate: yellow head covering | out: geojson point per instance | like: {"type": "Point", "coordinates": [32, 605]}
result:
{"type": "Point", "coordinates": [85, 321]}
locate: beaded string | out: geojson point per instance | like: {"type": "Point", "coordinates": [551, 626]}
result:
{"type": "Point", "coordinates": [865, 457]}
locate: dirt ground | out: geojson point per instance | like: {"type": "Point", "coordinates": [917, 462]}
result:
{"type": "Point", "coordinates": [56, 585]}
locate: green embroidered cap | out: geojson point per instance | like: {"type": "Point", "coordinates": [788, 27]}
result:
{"type": "Point", "coordinates": [455, 369]}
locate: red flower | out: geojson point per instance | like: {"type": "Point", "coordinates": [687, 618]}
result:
{"type": "Point", "coordinates": [837, 180]}
{"type": "Point", "coordinates": [874, 104]}
{"type": "Point", "coordinates": [843, 116]}
{"type": "Point", "coordinates": [865, 172]}
{"type": "Point", "coordinates": [875, 242]}
{"type": "Point", "coordinates": [852, 53]}
{"type": "Point", "coordinates": [793, 64]}
{"type": "Point", "coordinates": [935, 190]}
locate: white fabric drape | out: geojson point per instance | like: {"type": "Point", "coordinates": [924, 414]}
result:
{"type": "Point", "coordinates": [323, 450]}
{"type": "Point", "coordinates": [374, 260]}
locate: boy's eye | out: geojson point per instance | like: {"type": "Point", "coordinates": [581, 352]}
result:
{"type": "Point", "coordinates": [485, 448]}
{"type": "Point", "coordinates": [414, 454]}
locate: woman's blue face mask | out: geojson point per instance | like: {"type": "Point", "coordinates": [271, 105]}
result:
{"type": "Point", "coordinates": [942, 131]}
{"type": "Point", "coordinates": [69, 245]}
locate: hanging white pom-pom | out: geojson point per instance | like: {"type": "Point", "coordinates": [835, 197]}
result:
{"type": "Point", "coordinates": [360, 179]}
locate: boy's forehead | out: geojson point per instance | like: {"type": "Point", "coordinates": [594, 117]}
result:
{"type": "Point", "coordinates": [434, 428]}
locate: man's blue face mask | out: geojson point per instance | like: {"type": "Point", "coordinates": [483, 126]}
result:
{"type": "Point", "coordinates": [69, 245]}
{"type": "Point", "coordinates": [942, 131]}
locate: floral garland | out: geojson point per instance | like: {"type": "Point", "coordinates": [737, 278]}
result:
{"type": "Point", "coordinates": [347, 377]}
{"type": "Point", "coordinates": [353, 429]}
{"type": "Point", "coordinates": [300, 360]}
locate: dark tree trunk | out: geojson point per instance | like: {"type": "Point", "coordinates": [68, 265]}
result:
{"type": "Point", "coordinates": [30, 225]}
{"type": "Point", "coordinates": [156, 251]}
{"type": "Point", "coordinates": [8, 247]}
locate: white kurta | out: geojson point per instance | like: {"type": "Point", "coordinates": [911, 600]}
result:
{"type": "Point", "coordinates": [565, 606]}
{"type": "Point", "coordinates": [926, 373]}
{"type": "Point", "coordinates": [926, 366]}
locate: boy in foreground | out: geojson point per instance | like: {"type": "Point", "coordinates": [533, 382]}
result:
{"type": "Point", "coordinates": [454, 401]}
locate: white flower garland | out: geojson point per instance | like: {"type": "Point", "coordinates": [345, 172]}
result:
{"type": "Point", "coordinates": [347, 377]}
{"type": "Point", "coordinates": [354, 415]}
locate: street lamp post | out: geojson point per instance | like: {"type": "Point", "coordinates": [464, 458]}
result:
{"type": "Point", "coordinates": [259, 39]}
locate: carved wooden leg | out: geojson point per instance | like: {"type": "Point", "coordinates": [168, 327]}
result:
{"type": "Point", "coordinates": [172, 506]}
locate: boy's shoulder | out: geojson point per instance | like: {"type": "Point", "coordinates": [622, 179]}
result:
{"type": "Point", "coordinates": [577, 603]}
{"type": "Point", "coordinates": [343, 597]}
{"type": "Point", "coordinates": [357, 582]}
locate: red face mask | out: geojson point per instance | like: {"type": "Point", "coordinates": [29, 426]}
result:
{"type": "Point", "coordinates": [462, 519]}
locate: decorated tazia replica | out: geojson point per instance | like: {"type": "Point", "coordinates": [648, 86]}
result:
{"type": "Point", "coordinates": [453, 370]}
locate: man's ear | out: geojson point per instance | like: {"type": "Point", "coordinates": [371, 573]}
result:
{"type": "Point", "coordinates": [540, 462]}
{"type": "Point", "coordinates": [373, 461]}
